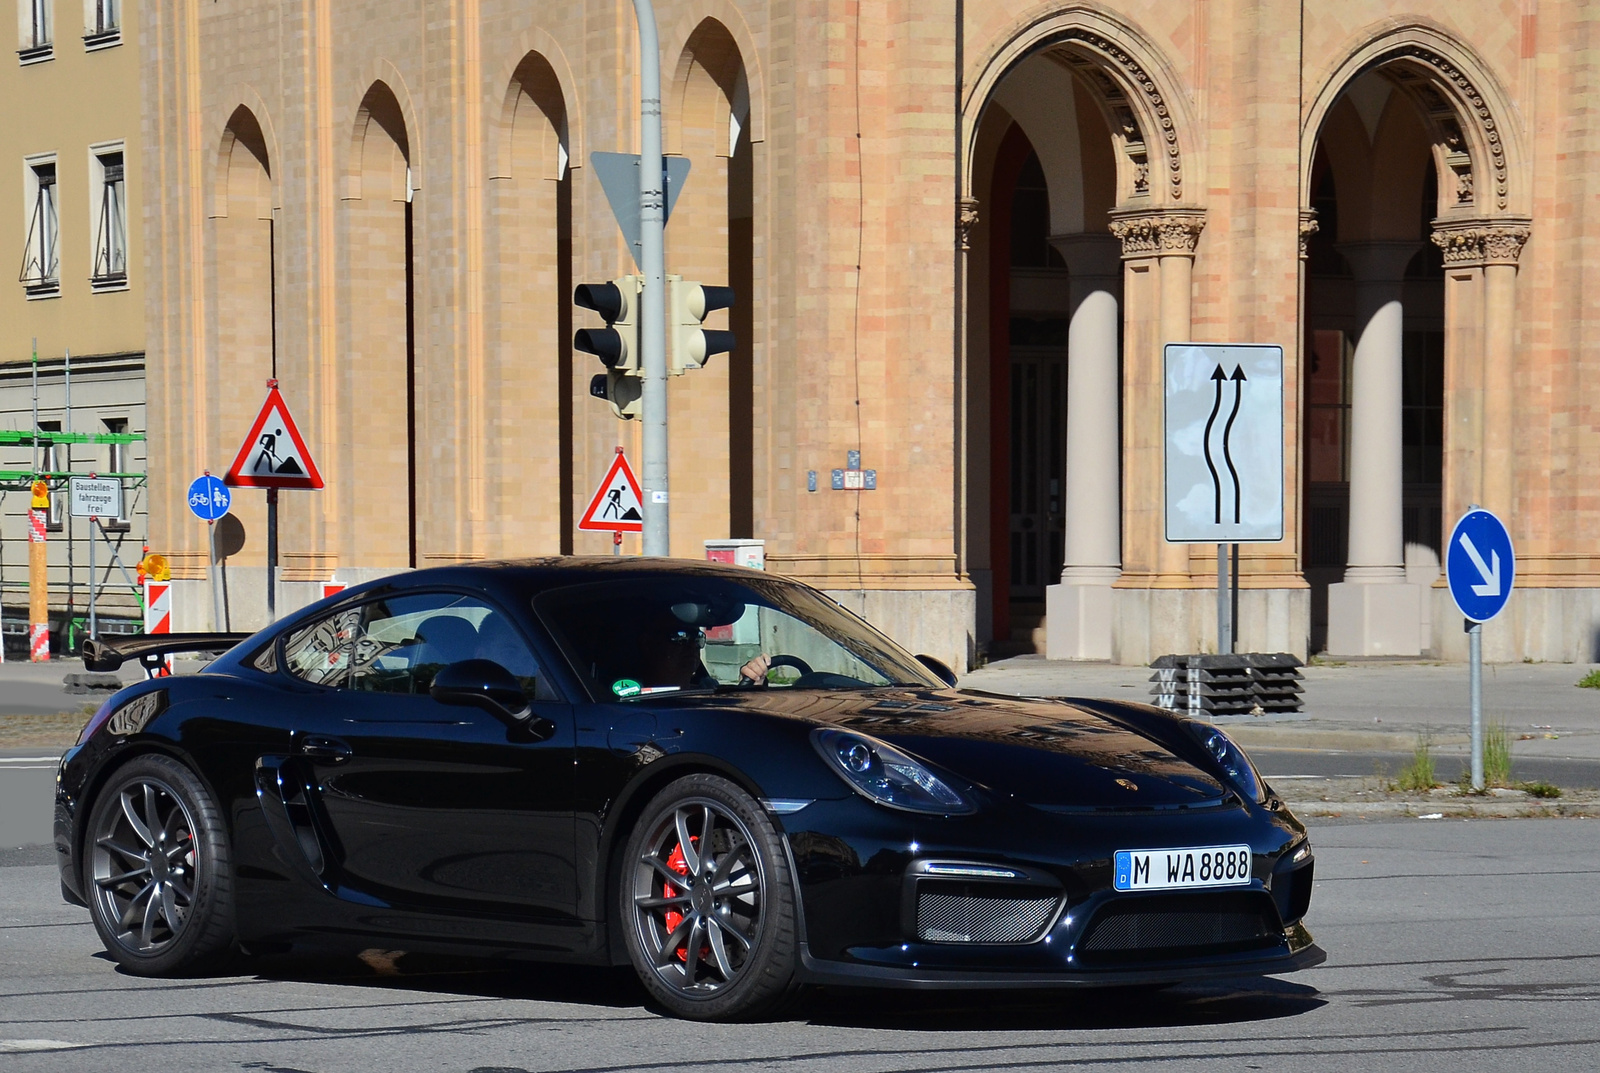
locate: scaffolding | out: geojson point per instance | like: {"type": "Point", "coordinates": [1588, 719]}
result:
{"type": "Point", "coordinates": [108, 574]}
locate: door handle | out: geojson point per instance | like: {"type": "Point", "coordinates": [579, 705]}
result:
{"type": "Point", "coordinates": [319, 748]}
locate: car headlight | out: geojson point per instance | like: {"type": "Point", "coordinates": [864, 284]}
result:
{"type": "Point", "coordinates": [879, 772]}
{"type": "Point", "coordinates": [1231, 760]}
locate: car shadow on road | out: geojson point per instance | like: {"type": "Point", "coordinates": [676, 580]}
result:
{"type": "Point", "coordinates": [1231, 1001]}
{"type": "Point", "coordinates": [468, 977]}
{"type": "Point", "coordinates": [1214, 1002]}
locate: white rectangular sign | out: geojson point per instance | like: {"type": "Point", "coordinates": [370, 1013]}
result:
{"type": "Point", "coordinates": [96, 497]}
{"type": "Point", "coordinates": [1224, 443]}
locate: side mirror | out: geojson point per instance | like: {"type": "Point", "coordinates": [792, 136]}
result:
{"type": "Point", "coordinates": [940, 669]}
{"type": "Point", "coordinates": [481, 683]}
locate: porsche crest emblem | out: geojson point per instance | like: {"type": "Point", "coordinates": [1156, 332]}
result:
{"type": "Point", "coordinates": [1127, 784]}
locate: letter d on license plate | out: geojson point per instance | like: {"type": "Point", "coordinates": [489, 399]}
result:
{"type": "Point", "coordinates": [1171, 869]}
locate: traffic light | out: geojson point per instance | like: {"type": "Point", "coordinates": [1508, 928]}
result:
{"type": "Point", "coordinates": [617, 344]}
{"type": "Point", "coordinates": [690, 346]}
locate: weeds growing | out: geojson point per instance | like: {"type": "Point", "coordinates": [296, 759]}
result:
{"type": "Point", "coordinates": [1418, 774]}
{"type": "Point", "coordinates": [1590, 680]}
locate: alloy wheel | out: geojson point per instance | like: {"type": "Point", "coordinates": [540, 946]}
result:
{"type": "Point", "coordinates": [699, 894]}
{"type": "Point", "coordinates": [145, 861]}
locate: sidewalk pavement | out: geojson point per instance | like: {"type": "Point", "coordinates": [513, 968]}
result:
{"type": "Point", "coordinates": [1362, 705]}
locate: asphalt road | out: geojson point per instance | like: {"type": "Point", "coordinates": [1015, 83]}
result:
{"type": "Point", "coordinates": [1454, 947]}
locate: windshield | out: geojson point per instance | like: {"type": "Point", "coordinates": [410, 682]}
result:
{"type": "Point", "coordinates": [638, 638]}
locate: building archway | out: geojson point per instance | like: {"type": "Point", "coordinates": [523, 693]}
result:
{"type": "Point", "coordinates": [377, 378]}
{"type": "Point", "coordinates": [240, 351]}
{"type": "Point", "coordinates": [1077, 152]}
{"type": "Point", "coordinates": [1409, 315]}
{"type": "Point", "coordinates": [528, 413]}
{"type": "Point", "coordinates": [712, 240]}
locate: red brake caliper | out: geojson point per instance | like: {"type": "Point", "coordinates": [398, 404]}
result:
{"type": "Point", "coordinates": [672, 918]}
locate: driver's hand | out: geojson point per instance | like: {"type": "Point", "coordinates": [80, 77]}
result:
{"type": "Point", "coordinates": [755, 672]}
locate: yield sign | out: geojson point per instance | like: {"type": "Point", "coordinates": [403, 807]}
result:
{"type": "Point", "coordinates": [274, 455]}
{"type": "Point", "coordinates": [615, 506]}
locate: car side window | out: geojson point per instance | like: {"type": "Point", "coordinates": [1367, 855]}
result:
{"type": "Point", "coordinates": [397, 644]}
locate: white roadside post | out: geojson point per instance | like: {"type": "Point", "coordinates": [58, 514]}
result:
{"type": "Point", "coordinates": [1480, 567]}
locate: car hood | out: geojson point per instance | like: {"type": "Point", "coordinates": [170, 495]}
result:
{"type": "Point", "coordinates": [1058, 755]}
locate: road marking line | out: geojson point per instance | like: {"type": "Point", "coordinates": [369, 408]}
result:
{"type": "Point", "coordinates": [26, 1046]}
{"type": "Point", "coordinates": [30, 759]}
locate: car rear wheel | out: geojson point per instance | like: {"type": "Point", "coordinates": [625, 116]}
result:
{"type": "Point", "coordinates": [708, 903]}
{"type": "Point", "coordinates": [157, 870]}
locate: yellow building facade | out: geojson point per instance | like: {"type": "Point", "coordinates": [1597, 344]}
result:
{"type": "Point", "coordinates": [71, 210]}
{"type": "Point", "coordinates": [960, 234]}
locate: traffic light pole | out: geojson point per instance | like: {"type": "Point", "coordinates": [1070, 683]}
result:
{"type": "Point", "coordinates": [653, 299]}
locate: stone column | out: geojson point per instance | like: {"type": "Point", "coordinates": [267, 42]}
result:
{"type": "Point", "coordinates": [1151, 612]}
{"type": "Point", "coordinates": [1373, 612]}
{"type": "Point", "coordinates": [1078, 610]}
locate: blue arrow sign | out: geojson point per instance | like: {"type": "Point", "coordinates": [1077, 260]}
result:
{"type": "Point", "coordinates": [209, 498]}
{"type": "Point", "coordinates": [1480, 565]}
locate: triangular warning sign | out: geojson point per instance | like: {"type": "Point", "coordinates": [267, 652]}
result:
{"type": "Point", "coordinates": [274, 455]}
{"type": "Point", "coordinates": [615, 507]}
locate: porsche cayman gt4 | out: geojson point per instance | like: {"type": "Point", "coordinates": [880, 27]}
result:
{"type": "Point", "coordinates": [717, 776]}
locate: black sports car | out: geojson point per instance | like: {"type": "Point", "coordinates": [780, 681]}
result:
{"type": "Point", "coordinates": [717, 775]}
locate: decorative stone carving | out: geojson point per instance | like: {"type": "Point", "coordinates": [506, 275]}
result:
{"type": "Point", "coordinates": [1469, 105]}
{"type": "Point", "coordinates": [1308, 227]}
{"type": "Point", "coordinates": [1097, 58]}
{"type": "Point", "coordinates": [1471, 243]}
{"type": "Point", "coordinates": [1156, 232]}
{"type": "Point", "coordinates": [966, 220]}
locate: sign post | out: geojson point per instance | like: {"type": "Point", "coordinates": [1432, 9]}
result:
{"type": "Point", "coordinates": [1481, 567]}
{"type": "Point", "coordinates": [273, 456]}
{"type": "Point", "coordinates": [91, 497]}
{"type": "Point", "coordinates": [209, 499]}
{"type": "Point", "coordinates": [1224, 455]}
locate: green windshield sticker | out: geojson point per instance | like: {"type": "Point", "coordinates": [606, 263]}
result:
{"type": "Point", "coordinates": [625, 687]}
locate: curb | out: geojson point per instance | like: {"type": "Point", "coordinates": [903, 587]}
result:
{"type": "Point", "coordinates": [1418, 809]}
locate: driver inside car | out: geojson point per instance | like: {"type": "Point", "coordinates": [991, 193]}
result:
{"type": "Point", "coordinates": [670, 641]}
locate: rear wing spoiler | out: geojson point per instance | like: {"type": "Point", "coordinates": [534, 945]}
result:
{"type": "Point", "coordinates": [151, 649]}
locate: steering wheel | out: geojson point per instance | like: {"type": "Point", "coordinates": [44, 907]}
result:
{"type": "Point", "coordinates": [796, 662]}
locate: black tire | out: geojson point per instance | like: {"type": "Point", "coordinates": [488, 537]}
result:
{"type": "Point", "coordinates": [732, 953]}
{"type": "Point", "coordinates": [159, 913]}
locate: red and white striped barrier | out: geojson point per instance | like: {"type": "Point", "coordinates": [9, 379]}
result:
{"type": "Point", "coordinates": [158, 612]}
{"type": "Point", "coordinates": [39, 631]}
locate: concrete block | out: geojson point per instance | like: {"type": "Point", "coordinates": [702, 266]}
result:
{"type": "Point", "coordinates": [1374, 620]}
{"type": "Point", "coordinates": [1077, 621]}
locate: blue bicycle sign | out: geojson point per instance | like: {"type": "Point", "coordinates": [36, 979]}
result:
{"type": "Point", "coordinates": [209, 498]}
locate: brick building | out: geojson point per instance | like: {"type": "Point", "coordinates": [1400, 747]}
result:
{"type": "Point", "coordinates": [960, 234]}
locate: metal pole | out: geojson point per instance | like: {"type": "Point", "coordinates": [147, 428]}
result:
{"type": "Point", "coordinates": [272, 554]}
{"type": "Point", "coordinates": [1224, 619]}
{"type": "Point", "coordinates": [94, 533]}
{"type": "Point", "coordinates": [1233, 601]}
{"type": "Point", "coordinates": [652, 302]}
{"type": "Point", "coordinates": [66, 515]}
{"type": "Point", "coordinates": [1475, 643]}
{"type": "Point", "coordinates": [216, 586]}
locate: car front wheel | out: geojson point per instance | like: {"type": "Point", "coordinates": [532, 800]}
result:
{"type": "Point", "coordinates": [708, 903]}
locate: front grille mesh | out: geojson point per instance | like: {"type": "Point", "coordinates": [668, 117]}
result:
{"type": "Point", "coordinates": [975, 913]}
{"type": "Point", "coordinates": [1178, 926]}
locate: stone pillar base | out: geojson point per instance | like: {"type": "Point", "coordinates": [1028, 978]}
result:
{"type": "Point", "coordinates": [1374, 620]}
{"type": "Point", "coordinates": [1147, 623]}
{"type": "Point", "coordinates": [1078, 621]}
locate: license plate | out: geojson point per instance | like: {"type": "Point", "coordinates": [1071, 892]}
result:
{"type": "Point", "coordinates": [1177, 869]}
